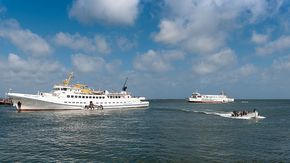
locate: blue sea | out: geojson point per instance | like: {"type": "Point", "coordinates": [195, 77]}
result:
{"type": "Point", "coordinates": [167, 131]}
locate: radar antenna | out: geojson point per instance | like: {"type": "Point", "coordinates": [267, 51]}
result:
{"type": "Point", "coordinates": [125, 85]}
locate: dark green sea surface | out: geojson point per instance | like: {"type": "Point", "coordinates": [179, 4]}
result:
{"type": "Point", "coordinates": [167, 131]}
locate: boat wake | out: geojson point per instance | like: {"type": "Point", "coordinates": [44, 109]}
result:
{"type": "Point", "coordinates": [228, 115]}
{"type": "Point", "coordinates": [221, 114]}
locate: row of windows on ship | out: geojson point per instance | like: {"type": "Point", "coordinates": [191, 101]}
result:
{"type": "Point", "coordinates": [96, 102]}
{"type": "Point", "coordinates": [93, 97]}
{"type": "Point", "coordinates": [206, 96]}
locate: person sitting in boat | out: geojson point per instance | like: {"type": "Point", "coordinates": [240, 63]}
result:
{"type": "Point", "coordinates": [244, 112]}
{"type": "Point", "coordinates": [235, 113]}
{"type": "Point", "coordinates": [19, 105]}
{"type": "Point", "coordinates": [256, 113]}
{"type": "Point", "coordinates": [91, 106]}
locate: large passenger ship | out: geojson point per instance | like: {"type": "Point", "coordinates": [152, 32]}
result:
{"type": "Point", "coordinates": [200, 98]}
{"type": "Point", "coordinates": [76, 97]}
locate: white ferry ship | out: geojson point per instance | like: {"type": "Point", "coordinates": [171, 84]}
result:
{"type": "Point", "coordinates": [76, 97]}
{"type": "Point", "coordinates": [199, 98]}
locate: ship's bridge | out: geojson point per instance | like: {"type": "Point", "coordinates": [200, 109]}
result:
{"type": "Point", "coordinates": [61, 88]}
{"type": "Point", "coordinates": [195, 95]}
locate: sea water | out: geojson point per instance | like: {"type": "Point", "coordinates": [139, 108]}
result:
{"type": "Point", "coordinates": [167, 131]}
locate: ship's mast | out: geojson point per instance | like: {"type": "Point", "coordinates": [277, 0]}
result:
{"type": "Point", "coordinates": [68, 80]}
{"type": "Point", "coordinates": [124, 85]}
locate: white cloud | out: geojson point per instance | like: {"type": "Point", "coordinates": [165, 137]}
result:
{"type": "Point", "coordinates": [215, 62]}
{"type": "Point", "coordinates": [156, 62]}
{"type": "Point", "coordinates": [125, 44]}
{"type": "Point", "coordinates": [170, 32]}
{"type": "Point", "coordinates": [282, 64]}
{"type": "Point", "coordinates": [259, 38]}
{"type": "Point", "coordinates": [83, 43]}
{"type": "Point", "coordinates": [204, 26]}
{"type": "Point", "coordinates": [247, 70]}
{"type": "Point", "coordinates": [29, 70]}
{"type": "Point", "coordinates": [90, 64]}
{"type": "Point", "coordinates": [85, 63]}
{"type": "Point", "coordinates": [24, 39]}
{"type": "Point", "coordinates": [110, 11]}
{"type": "Point", "coordinates": [102, 45]}
{"type": "Point", "coordinates": [114, 66]}
{"type": "Point", "coordinates": [278, 45]}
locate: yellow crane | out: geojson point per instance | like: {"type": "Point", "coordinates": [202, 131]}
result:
{"type": "Point", "coordinates": [67, 81]}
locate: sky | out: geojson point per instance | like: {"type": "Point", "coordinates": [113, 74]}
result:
{"type": "Point", "coordinates": [166, 48]}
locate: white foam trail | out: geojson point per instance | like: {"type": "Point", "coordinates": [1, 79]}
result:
{"type": "Point", "coordinates": [228, 115]}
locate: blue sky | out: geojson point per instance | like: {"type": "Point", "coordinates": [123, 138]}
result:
{"type": "Point", "coordinates": [167, 48]}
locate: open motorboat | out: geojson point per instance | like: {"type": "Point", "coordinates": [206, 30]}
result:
{"type": "Point", "coordinates": [245, 114]}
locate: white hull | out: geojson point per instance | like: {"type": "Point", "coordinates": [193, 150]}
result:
{"type": "Point", "coordinates": [41, 103]}
{"type": "Point", "coordinates": [247, 116]}
{"type": "Point", "coordinates": [200, 100]}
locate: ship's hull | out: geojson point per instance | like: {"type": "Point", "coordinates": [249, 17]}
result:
{"type": "Point", "coordinates": [38, 103]}
{"type": "Point", "coordinates": [203, 101]}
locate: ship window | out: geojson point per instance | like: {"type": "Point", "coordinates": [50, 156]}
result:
{"type": "Point", "coordinates": [72, 96]}
{"type": "Point", "coordinates": [94, 97]}
{"type": "Point", "coordinates": [77, 102]}
{"type": "Point", "coordinates": [65, 102]}
{"type": "Point", "coordinates": [87, 97]}
{"type": "Point", "coordinates": [90, 96]}
{"type": "Point", "coordinates": [83, 96]}
{"type": "Point", "coordinates": [73, 102]}
{"type": "Point", "coordinates": [80, 96]}
{"type": "Point", "coordinates": [69, 102]}
{"type": "Point", "coordinates": [68, 96]}
{"type": "Point", "coordinates": [76, 96]}
{"type": "Point", "coordinates": [109, 102]}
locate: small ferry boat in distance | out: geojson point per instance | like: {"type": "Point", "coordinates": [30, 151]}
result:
{"type": "Point", "coordinates": [76, 97]}
{"type": "Point", "coordinates": [200, 98]}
